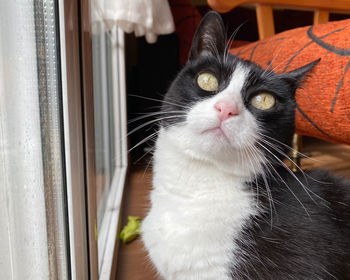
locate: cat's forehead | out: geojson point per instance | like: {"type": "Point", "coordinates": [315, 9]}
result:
{"type": "Point", "coordinates": [238, 77]}
{"type": "Point", "coordinates": [225, 67]}
{"type": "Point", "coordinates": [226, 62]}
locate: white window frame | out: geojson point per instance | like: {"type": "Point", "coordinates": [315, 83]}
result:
{"type": "Point", "coordinates": [109, 227]}
{"type": "Point", "coordinates": [104, 257]}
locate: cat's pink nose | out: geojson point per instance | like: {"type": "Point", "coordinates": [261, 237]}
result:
{"type": "Point", "coordinates": [226, 109]}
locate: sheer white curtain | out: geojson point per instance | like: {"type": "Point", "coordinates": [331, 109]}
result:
{"type": "Point", "coordinates": [148, 18]}
{"type": "Point", "coordinates": [23, 236]}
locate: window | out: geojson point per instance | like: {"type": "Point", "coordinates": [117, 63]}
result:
{"type": "Point", "coordinates": [110, 138]}
{"type": "Point", "coordinates": [62, 139]}
{"type": "Point", "coordinates": [33, 233]}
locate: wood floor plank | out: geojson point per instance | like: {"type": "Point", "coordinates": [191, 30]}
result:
{"type": "Point", "coordinates": [132, 259]}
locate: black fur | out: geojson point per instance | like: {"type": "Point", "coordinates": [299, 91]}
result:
{"type": "Point", "coordinates": [305, 235]}
{"type": "Point", "coordinates": [305, 231]}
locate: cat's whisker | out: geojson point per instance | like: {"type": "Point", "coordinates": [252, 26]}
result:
{"type": "Point", "coordinates": [272, 60]}
{"type": "Point", "coordinates": [288, 187]}
{"type": "Point", "coordinates": [268, 189]}
{"type": "Point", "coordinates": [288, 147]}
{"type": "Point", "coordinates": [151, 122]}
{"type": "Point", "coordinates": [257, 191]}
{"type": "Point", "coordinates": [277, 149]}
{"type": "Point", "coordinates": [253, 152]}
{"type": "Point", "coordinates": [144, 140]}
{"type": "Point", "coordinates": [230, 41]}
{"type": "Point", "coordinates": [148, 164]}
{"type": "Point", "coordinates": [148, 115]}
{"type": "Point", "coordinates": [161, 101]}
{"type": "Point", "coordinates": [151, 149]}
{"type": "Point", "coordinates": [279, 160]}
{"type": "Point", "coordinates": [271, 203]}
{"type": "Point", "coordinates": [273, 71]}
{"type": "Point", "coordinates": [307, 190]}
{"type": "Point", "coordinates": [291, 172]}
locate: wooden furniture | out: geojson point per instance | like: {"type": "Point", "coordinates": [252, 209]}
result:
{"type": "Point", "coordinates": [264, 11]}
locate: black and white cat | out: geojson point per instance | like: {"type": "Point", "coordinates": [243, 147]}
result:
{"type": "Point", "coordinates": [223, 205]}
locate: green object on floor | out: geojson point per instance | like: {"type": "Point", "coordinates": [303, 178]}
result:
{"type": "Point", "coordinates": [131, 230]}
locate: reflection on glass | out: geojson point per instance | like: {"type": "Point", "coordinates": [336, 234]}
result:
{"type": "Point", "coordinates": [104, 117]}
{"type": "Point", "coordinates": [109, 132]}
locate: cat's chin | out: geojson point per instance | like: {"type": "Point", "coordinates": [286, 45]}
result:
{"type": "Point", "coordinates": [218, 133]}
{"type": "Point", "coordinates": [214, 147]}
{"type": "Point", "coordinates": [230, 165]}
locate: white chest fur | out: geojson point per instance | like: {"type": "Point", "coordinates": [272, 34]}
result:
{"type": "Point", "coordinates": [197, 211]}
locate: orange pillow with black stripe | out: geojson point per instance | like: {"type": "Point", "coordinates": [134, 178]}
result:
{"type": "Point", "coordinates": [323, 101]}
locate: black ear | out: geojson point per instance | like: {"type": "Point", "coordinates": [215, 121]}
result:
{"type": "Point", "coordinates": [297, 76]}
{"type": "Point", "coordinates": [210, 37]}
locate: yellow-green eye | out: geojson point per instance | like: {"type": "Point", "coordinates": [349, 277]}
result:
{"type": "Point", "coordinates": [263, 101]}
{"type": "Point", "coordinates": [207, 81]}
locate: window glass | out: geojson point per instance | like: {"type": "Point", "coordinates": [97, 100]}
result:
{"type": "Point", "coordinates": [104, 117]}
{"type": "Point", "coordinates": [33, 220]}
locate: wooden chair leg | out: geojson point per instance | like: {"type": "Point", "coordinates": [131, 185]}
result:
{"type": "Point", "coordinates": [296, 144]}
{"type": "Point", "coordinates": [321, 16]}
{"type": "Point", "coordinates": [264, 16]}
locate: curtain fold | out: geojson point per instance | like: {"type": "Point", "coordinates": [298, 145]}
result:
{"type": "Point", "coordinates": [148, 18]}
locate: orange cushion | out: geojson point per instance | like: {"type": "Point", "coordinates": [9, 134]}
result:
{"type": "Point", "coordinates": [323, 102]}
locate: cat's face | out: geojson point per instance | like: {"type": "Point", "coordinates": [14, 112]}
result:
{"type": "Point", "coordinates": [228, 108]}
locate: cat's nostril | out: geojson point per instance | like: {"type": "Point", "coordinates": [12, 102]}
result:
{"type": "Point", "coordinates": [218, 107]}
{"type": "Point", "coordinates": [226, 109]}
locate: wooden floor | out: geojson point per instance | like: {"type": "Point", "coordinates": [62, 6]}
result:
{"type": "Point", "coordinates": [132, 260]}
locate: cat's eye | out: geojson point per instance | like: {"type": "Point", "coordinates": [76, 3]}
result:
{"type": "Point", "coordinates": [263, 101]}
{"type": "Point", "coordinates": [207, 82]}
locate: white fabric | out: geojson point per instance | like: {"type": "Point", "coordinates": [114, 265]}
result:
{"type": "Point", "coordinates": [23, 236]}
{"type": "Point", "coordinates": [148, 18]}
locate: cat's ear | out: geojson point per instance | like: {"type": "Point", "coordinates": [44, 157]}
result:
{"type": "Point", "coordinates": [210, 37]}
{"type": "Point", "coordinates": [297, 76]}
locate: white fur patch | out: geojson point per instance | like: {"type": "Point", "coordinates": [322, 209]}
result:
{"type": "Point", "coordinates": [200, 203]}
